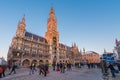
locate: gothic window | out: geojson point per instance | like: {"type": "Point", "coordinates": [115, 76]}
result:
{"type": "Point", "coordinates": [25, 54]}
{"type": "Point", "coordinates": [18, 54]}
{"type": "Point", "coordinates": [40, 55]}
{"type": "Point", "coordinates": [33, 55]}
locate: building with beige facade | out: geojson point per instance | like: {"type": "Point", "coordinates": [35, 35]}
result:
{"type": "Point", "coordinates": [90, 57]}
{"type": "Point", "coordinates": [27, 47]}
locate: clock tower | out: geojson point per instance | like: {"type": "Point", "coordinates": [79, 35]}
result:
{"type": "Point", "coordinates": [52, 36]}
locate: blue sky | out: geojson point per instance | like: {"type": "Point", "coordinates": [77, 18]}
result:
{"type": "Point", "coordinates": [91, 24]}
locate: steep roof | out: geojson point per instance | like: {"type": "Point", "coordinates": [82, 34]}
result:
{"type": "Point", "coordinates": [35, 37]}
{"type": "Point", "coordinates": [69, 48]}
{"type": "Point", "coordinates": [64, 46]}
{"type": "Point", "coordinates": [90, 52]}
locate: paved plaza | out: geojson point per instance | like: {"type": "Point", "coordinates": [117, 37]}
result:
{"type": "Point", "coordinates": [76, 74]}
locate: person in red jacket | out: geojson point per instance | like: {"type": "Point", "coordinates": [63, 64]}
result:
{"type": "Point", "coordinates": [1, 70]}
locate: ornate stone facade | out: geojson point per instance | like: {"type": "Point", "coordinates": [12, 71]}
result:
{"type": "Point", "coordinates": [90, 57]}
{"type": "Point", "coordinates": [27, 47]}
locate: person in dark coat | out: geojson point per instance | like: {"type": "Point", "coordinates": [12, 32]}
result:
{"type": "Point", "coordinates": [41, 69]}
{"type": "Point", "coordinates": [54, 66]}
{"type": "Point", "coordinates": [45, 69]}
{"type": "Point", "coordinates": [1, 70]}
{"type": "Point", "coordinates": [112, 70]}
{"type": "Point", "coordinates": [58, 67]}
{"type": "Point", "coordinates": [4, 68]}
{"type": "Point", "coordinates": [104, 67]}
{"type": "Point", "coordinates": [9, 67]}
{"type": "Point", "coordinates": [61, 67]}
{"type": "Point", "coordinates": [118, 65]}
{"type": "Point", "coordinates": [31, 69]}
{"type": "Point", "coordinates": [13, 69]}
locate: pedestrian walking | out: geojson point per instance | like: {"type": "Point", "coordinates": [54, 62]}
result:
{"type": "Point", "coordinates": [58, 67]}
{"type": "Point", "coordinates": [45, 69]}
{"type": "Point", "coordinates": [4, 68]}
{"type": "Point", "coordinates": [54, 66]}
{"type": "Point", "coordinates": [118, 65]}
{"type": "Point", "coordinates": [31, 68]}
{"type": "Point", "coordinates": [70, 66]}
{"type": "Point", "coordinates": [34, 67]}
{"type": "Point", "coordinates": [104, 67]}
{"type": "Point", "coordinates": [9, 67]}
{"type": "Point", "coordinates": [13, 69]}
{"type": "Point", "coordinates": [1, 70]}
{"type": "Point", "coordinates": [41, 69]}
{"type": "Point", "coordinates": [112, 69]}
{"type": "Point", "coordinates": [61, 67]}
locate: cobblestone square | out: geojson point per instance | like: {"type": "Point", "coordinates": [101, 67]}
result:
{"type": "Point", "coordinates": [75, 74]}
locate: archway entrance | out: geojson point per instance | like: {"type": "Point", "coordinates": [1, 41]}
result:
{"type": "Point", "coordinates": [34, 61]}
{"type": "Point", "coordinates": [47, 62]}
{"type": "Point", "coordinates": [26, 63]}
{"type": "Point", "coordinates": [41, 62]}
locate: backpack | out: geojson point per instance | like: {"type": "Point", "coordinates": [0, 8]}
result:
{"type": "Point", "coordinates": [1, 70]}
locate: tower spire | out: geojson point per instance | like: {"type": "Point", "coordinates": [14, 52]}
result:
{"type": "Point", "coordinates": [23, 19]}
{"type": "Point", "coordinates": [52, 35]}
{"type": "Point", "coordinates": [52, 14]}
{"type": "Point", "coordinates": [52, 27]}
{"type": "Point", "coordinates": [21, 29]}
{"type": "Point", "coordinates": [52, 22]}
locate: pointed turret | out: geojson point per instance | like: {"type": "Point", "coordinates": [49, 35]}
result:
{"type": "Point", "coordinates": [21, 29]}
{"type": "Point", "coordinates": [52, 22]}
{"type": "Point", "coordinates": [52, 14]}
{"type": "Point", "coordinates": [52, 28]}
{"type": "Point", "coordinates": [75, 45]}
{"type": "Point", "coordinates": [23, 20]}
{"type": "Point", "coordinates": [75, 48]}
{"type": "Point", "coordinates": [52, 35]}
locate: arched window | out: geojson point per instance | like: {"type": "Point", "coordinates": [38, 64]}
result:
{"type": "Point", "coordinates": [26, 63]}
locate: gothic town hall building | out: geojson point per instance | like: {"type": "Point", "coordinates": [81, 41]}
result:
{"type": "Point", "coordinates": [27, 47]}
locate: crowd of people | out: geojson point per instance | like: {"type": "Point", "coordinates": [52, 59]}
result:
{"type": "Point", "coordinates": [11, 69]}
{"type": "Point", "coordinates": [43, 69]}
{"type": "Point", "coordinates": [110, 67]}
{"type": "Point", "coordinates": [62, 67]}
